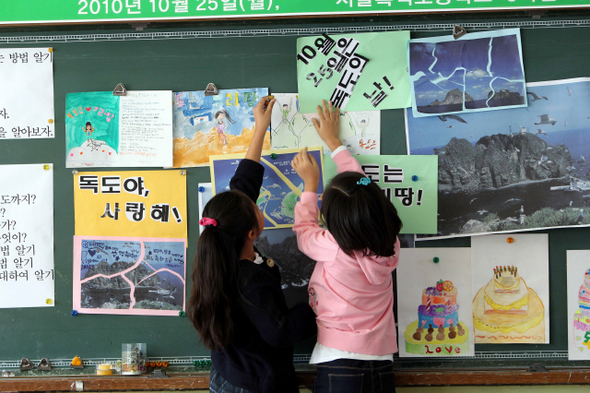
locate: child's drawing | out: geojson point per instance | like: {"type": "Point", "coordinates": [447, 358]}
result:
{"type": "Point", "coordinates": [578, 304]}
{"type": "Point", "coordinates": [360, 131]}
{"type": "Point", "coordinates": [511, 286]}
{"type": "Point", "coordinates": [434, 307]}
{"type": "Point", "coordinates": [92, 129]}
{"type": "Point", "coordinates": [215, 124]}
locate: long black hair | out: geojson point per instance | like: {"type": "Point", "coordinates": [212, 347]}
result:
{"type": "Point", "coordinates": [360, 217]}
{"type": "Point", "coordinates": [215, 266]}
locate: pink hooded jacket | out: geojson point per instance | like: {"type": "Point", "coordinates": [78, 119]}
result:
{"type": "Point", "coordinates": [352, 296]}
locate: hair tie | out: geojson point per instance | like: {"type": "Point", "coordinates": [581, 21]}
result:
{"type": "Point", "coordinates": [364, 181]}
{"type": "Point", "coordinates": [207, 222]}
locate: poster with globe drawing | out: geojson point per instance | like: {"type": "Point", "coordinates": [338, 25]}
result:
{"type": "Point", "coordinates": [360, 131]}
{"type": "Point", "coordinates": [281, 187]}
{"type": "Point", "coordinates": [512, 170]}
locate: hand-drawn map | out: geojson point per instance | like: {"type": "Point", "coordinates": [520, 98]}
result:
{"type": "Point", "coordinates": [129, 276]}
{"type": "Point", "coordinates": [281, 187]}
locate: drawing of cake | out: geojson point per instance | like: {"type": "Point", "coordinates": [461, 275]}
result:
{"type": "Point", "coordinates": [582, 315]}
{"type": "Point", "coordinates": [438, 331]}
{"type": "Point", "coordinates": [506, 310]}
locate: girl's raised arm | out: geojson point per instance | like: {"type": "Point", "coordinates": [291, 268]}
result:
{"type": "Point", "coordinates": [262, 113]}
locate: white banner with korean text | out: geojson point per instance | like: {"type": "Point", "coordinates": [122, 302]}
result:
{"type": "Point", "coordinates": [27, 274]}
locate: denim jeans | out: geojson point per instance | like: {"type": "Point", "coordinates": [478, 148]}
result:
{"type": "Point", "coordinates": [354, 376]}
{"type": "Point", "coordinates": [217, 384]}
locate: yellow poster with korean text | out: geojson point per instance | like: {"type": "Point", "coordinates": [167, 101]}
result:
{"type": "Point", "coordinates": [131, 203]}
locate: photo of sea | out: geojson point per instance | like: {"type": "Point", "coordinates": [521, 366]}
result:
{"type": "Point", "coordinates": [515, 169]}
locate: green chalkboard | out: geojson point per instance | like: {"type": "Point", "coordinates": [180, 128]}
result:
{"type": "Point", "coordinates": [239, 55]}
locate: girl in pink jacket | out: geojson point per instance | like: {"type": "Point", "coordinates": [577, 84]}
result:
{"type": "Point", "coordinates": [351, 286]}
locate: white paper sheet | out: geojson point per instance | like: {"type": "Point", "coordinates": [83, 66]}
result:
{"type": "Point", "coordinates": [26, 93]}
{"type": "Point", "coordinates": [145, 129]}
{"type": "Point", "coordinates": [27, 274]}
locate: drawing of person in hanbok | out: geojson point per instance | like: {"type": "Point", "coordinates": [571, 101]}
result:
{"type": "Point", "coordinates": [220, 126]}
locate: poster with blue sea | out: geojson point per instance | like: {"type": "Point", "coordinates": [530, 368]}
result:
{"type": "Point", "coordinates": [513, 170]}
{"type": "Point", "coordinates": [477, 72]}
{"type": "Point", "coordinates": [206, 125]}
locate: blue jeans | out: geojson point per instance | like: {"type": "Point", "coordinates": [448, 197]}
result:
{"type": "Point", "coordinates": [354, 376]}
{"type": "Point", "coordinates": [217, 384]}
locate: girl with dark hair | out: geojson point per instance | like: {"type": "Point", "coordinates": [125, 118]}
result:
{"type": "Point", "coordinates": [351, 286]}
{"type": "Point", "coordinates": [236, 302]}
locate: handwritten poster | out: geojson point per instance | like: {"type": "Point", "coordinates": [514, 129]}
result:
{"type": "Point", "coordinates": [206, 125]}
{"type": "Point", "coordinates": [360, 131]}
{"type": "Point", "coordinates": [281, 188]}
{"type": "Point", "coordinates": [104, 130]}
{"type": "Point", "coordinates": [434, 302]}
{"type": "Point", "coordinates": [26, 93]}
{"type": "Point", "coordinates": [357, 72]}
{"type": "Point", "coordinates": [143, 203]}
{"type": "Point", "coordinates": [129, 275]}
{"type": "Point", "coordinates": [410, 182]}
{"type": "Point", "coordinates": [27, 274]}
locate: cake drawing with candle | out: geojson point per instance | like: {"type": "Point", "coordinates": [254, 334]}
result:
{"type": "Point", "coordinates": [438, 331]}
{"type": "Point", "coordinates": [582, 315]}
{"type": "Point", "coordinates": [506, 310]}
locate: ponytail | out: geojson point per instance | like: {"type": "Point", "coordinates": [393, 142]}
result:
{"type": "Point", "coordinates": [215, 267]}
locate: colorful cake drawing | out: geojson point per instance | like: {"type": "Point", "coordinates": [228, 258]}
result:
{"type": "Point", "coordinates": [506, 310]}
{"type": "Point", "coordinates": [438, 331]}
{"type": "Point", "coordinates": [582, 315]}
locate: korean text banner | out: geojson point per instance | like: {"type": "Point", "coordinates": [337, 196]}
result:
{"type": "Point", "coordinates": [70, 11]}
{"type": "Point", "coordinates": [357, 72]}
{"type": "Point", "coordinates": [142, 203]}
{"type": "Point", "coordinates": [411, 185]}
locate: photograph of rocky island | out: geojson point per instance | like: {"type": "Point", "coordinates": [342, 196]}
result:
{"type": "Point", "coordinates": [515, 169]}
{"type": "Point", "coordinates": [129, 276]}
{"type": "Point", "coordinates": [478, 72]}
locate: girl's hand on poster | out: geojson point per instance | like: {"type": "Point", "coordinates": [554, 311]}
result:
{"type": "Point", "coordinates": [262, 112]}
{"type": "Point", "coordinates": [307, 168]}
{"type": "Point", "coordinates": [328, 125]}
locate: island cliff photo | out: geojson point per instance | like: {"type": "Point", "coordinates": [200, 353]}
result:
{"type": "Point", "coordinates": [515, 169]}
